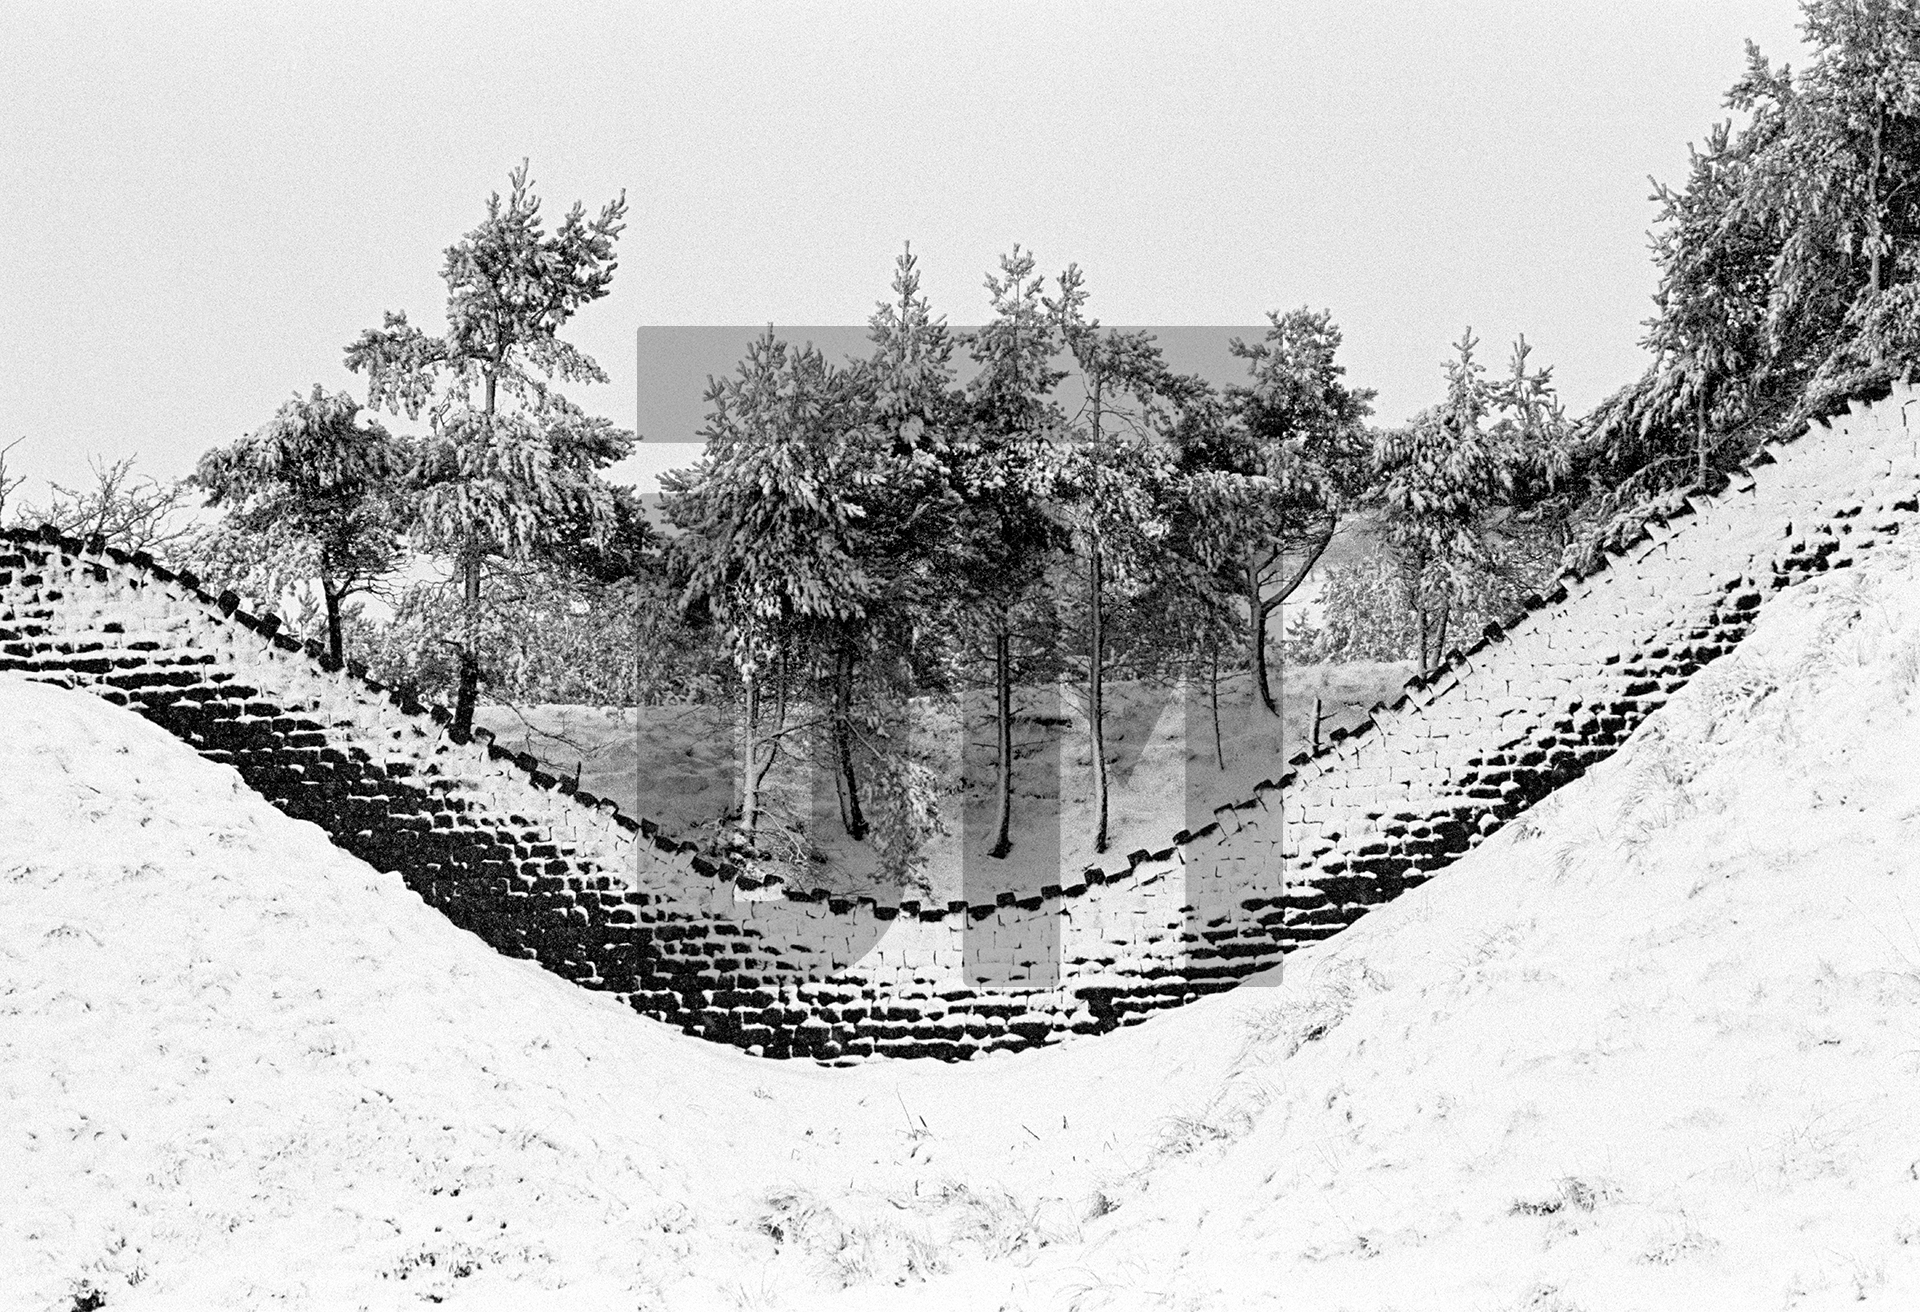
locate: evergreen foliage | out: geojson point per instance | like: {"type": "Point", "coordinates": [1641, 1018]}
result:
{"type": "Point", "coordinates": [811, 530]}
{"type": "Point", "coordinates": [1271, 473]}
{"type": "Point", "coordinates": [1109, 480]}
{"type": "Point", "coordinates": [1789, 266]}
{"type": "Point", "coordinates": [1467, 495]}
{"type": "Point", "coordinates": [508, 471]}
{"type": "Point", "coordinates": [314, 494]}
{"type": "Point", "coordinates": [1002, 542]}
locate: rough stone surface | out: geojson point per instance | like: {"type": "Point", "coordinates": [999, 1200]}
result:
{"type": "Point", "coordinates": [509, 853]}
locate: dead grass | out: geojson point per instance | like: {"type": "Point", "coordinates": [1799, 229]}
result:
{"type": "Point", "coordinates": [1271, 1036]}
{"type": "Point", "coordinates": [1569, 1194]}
{"type": "Point", "coordinates": [1543, 1297]}
{"type": "Point", "coordinates": [1311, 1014]}
{"type": "Point", "coordinates": [849, 1251]}
{"type": "Point", "coordinates": [1678, 1241]}
{"type": "Point", "coordinates": [900, 1238]}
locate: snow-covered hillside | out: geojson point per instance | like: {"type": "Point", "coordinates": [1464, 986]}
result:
{"type": "Point", "coordinates": [1655, 1046]}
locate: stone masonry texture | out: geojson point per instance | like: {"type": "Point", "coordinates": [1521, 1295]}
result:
{"type": "Point", "coordinates": [540, 870]}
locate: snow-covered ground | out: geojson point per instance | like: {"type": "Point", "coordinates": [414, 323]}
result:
{"type": "Point", "coordinates": [676, 765]}
{"type": "Point", "coordinates": [1655, 1046]}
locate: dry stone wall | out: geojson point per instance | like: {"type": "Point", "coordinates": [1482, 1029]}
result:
{"type": "Point", "coordinates": [1533, 706]}
{"type": "Point", "coordinates": [539, 870]}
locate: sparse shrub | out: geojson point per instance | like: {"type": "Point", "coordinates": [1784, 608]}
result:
{"type": "Point", "coordinates": [1544, 1298]}
{"type": "Point", "coordinates": [1906, 668]}
{"type": "Point", "coordinates": [1366, 613]}
{"type": "Point", "coordinates": [1273, 1034]}
{"type": "Point", "coordinates": [1678, 1242]}
{"type": "Point", "coordinates": [904, 811]}
{"type": "Point", "coordinates": [455, 1260]}
{"type": "Point", "coordinates": [1656, 797]}
{"type": "Point", "coordinates": [1570, 849]}
{"type": "Point", "coordinates": [1865, 1277]}
{"type": "Point", "coordinates": [790, 1215]}
{"type": "Point", "coordinates": [990, 1219]}
{"type": "Point", "coordinates": [1569, 1194]}
{"type": "Point", "coordinates": [1180, 1135]}
{"type": "Point", "coordinates": [1303, 1018]}
{"type": "Point", "coordinates": [850, 1252]}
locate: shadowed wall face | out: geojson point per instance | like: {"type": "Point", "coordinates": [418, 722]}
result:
{"type": "Point", "coordinates": [539, 871]}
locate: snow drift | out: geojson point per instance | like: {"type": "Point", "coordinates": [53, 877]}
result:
{"type": "Point", "coordinates": [1654, 1046]}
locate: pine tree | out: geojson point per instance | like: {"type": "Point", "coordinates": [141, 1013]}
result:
{"type": "Point", "coordinates": [1212, 513]}
{"type": "Point", "coordinates": [768, 516]}
{"type": "Point", "coordinates": [1716, 262]}
{"type": "Point", "coordinates": [1441, 476]}
{"type": "Point", "coordinates": [907, 445]}
{"type": "Point", "coordinates": [1840, 172]}
{"type": "Point", "coordinates": [1278, 468]}
{"type": "Point", "coordinates": [1788, 262]}
{"type": "Point", "coordinates": [898, 468]}
{"type": "Point", "coordinates": [1111, 483]}
{"type": "Point", "coordinates": [812, 526]}
{"type": "Point", "coordinates": [1003, 540]}
{"type": "Point", "coordinates": [323, 489]}
{"type": "Point", "coordinates": [509, 469]}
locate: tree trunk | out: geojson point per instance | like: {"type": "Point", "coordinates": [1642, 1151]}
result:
{"type": "Point", "coordinates": [832, 740]}
{"type": "Point", "coordinates": [783, 685]}
{"type": "Point", "coordinates": [1096, 707]}
{"type": "Point", "coordinates": [1096, 648]}
{"type": "Point", "coordinates": [1700, 436]}
{"type": "Point", "coordinates": [1420, 617]}
{"type": "Point", "coordinates": [1213, 693]}
{"type": "Point", "coordinates": [1003, 739]}
{"type": "Point", "coordinates": [750, 776]}
{"type": "Point", "coordinates": [1259, 607]}
{"type": "Point", "coordinates": [469, 654]}
{"type": "Point", "coordinates": [469, 690]}
{"type": "Point", "coordinates": [1876, 224]}
{"type": "Point", "coordinates": [1257, 639]}
{"type": "Point", "coordinates": [336, 646]}
{"type": "Point", "coordinates": [1440, 636]}
{"type": "Point", "coordinates": [855, 822]}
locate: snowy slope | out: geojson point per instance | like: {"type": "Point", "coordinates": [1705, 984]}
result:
{"type": "Point", "coordinates": [239, 1068]}
{"type": "Point", "coordinates": [1656, 1046]}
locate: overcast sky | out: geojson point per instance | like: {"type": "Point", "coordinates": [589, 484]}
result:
{"type": "Point", "coordinates": [201, 205]}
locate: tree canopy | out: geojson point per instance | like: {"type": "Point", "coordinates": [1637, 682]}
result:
{"type": "Point", "coordinates": [508, 470]}
{"type": "Point", "coordinates": [1789, 259]}
{"type": "Point", "coordinates": [318, 490]}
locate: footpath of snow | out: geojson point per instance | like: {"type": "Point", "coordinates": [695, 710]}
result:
{"type": "Point", "coordinates": [1656, 1046]}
